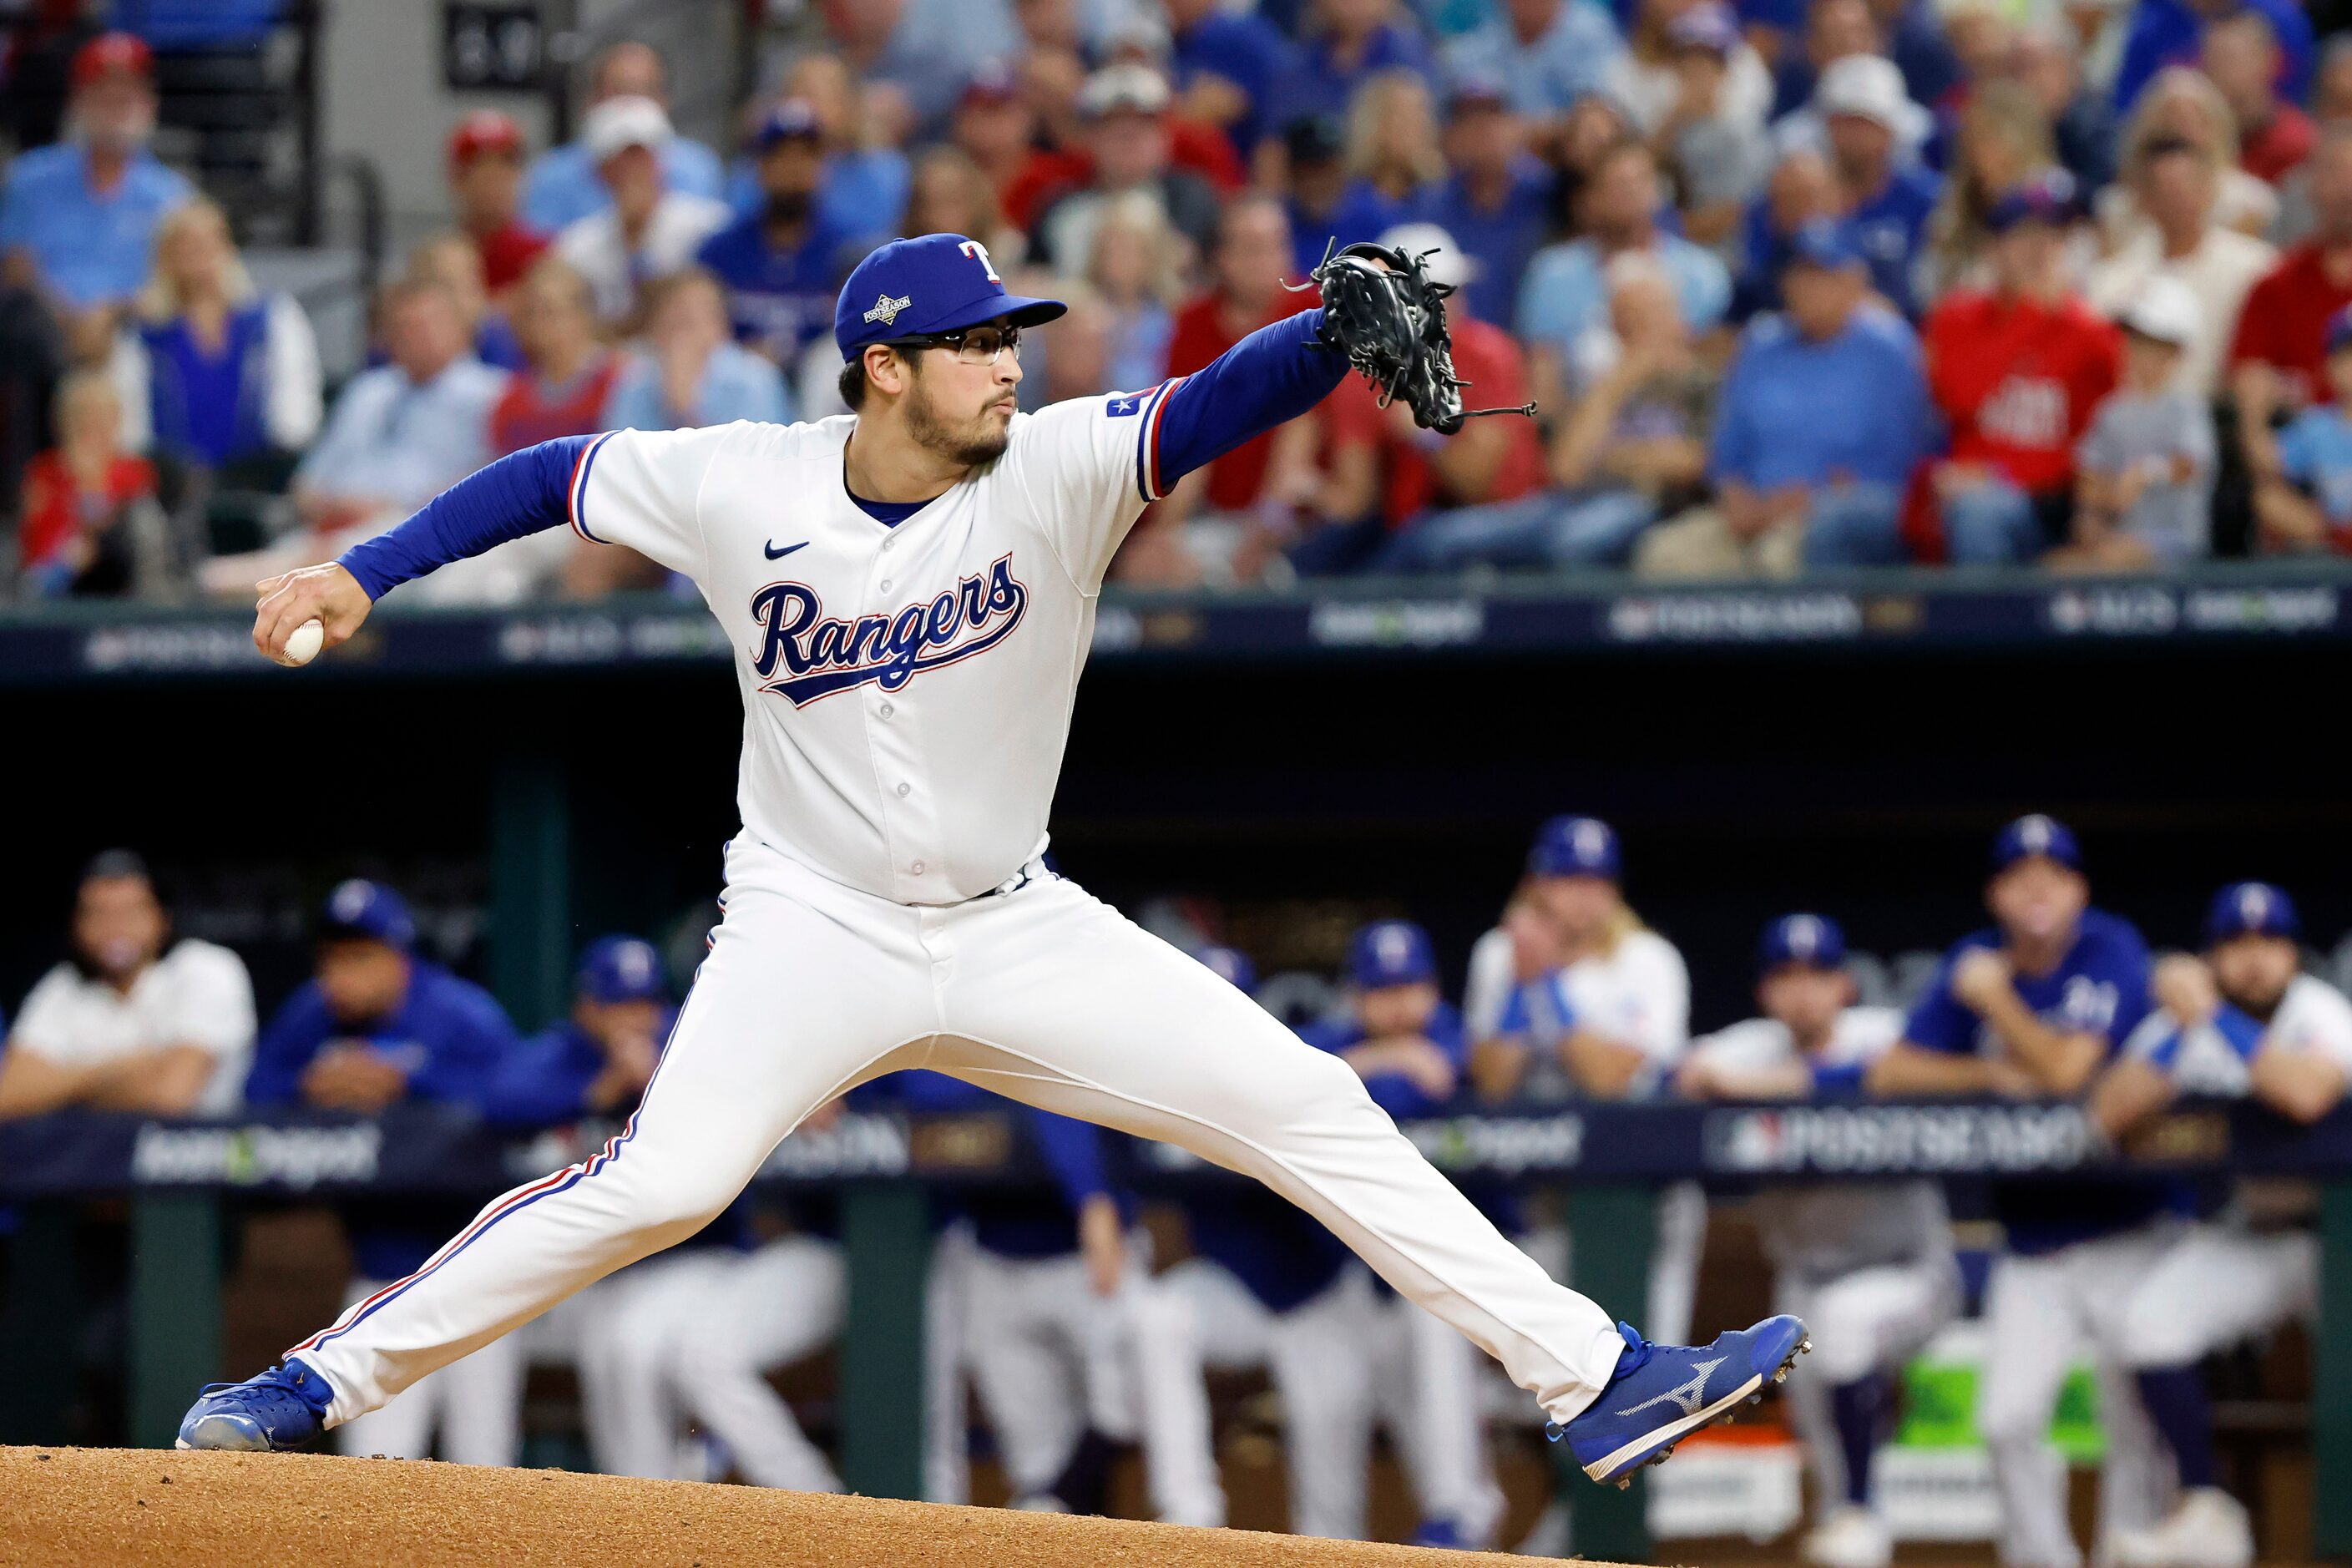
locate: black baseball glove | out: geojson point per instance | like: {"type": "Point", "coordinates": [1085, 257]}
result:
{"type": "Point", "coordinates": [1384, 312]}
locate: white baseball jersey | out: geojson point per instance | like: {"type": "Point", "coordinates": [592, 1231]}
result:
{"type": "Point", "coordinates": [194, 994]}
{"type": "Point", "coordinates": [2312, 1016]}
{"type": "Point", "coordinates": [1637, 994]}
{"type": "Point", "coordinates": [907, 690]}
{"type": "Point", "coordinates": [1825, 1229]}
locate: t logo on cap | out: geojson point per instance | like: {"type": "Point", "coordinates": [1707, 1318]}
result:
{"type": "Point", "coordinates": [954, 277]}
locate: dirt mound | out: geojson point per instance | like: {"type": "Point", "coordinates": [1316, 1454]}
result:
{"type": "Point", "coordinates": [93, 1508]}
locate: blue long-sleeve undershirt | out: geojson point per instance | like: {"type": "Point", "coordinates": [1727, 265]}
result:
{"type": "Point", "coordinates": [1275, 374]}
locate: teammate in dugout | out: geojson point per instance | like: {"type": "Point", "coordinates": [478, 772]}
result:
{"type": "Point", "coordinates": [377, 1025]}
{"type": "Point", "coordinates": [1871, 1263]}
{"type": "Point", "coordinates": [2034, 1007]}
{"type": "Point", "coordinates": [2242, 1020]}
{"type": "Point", "coordinates": [911, 593]}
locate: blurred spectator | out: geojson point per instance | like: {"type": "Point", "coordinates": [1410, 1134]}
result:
{"type": "Point", "coordinates": [866, 175]}
{"type": "Point", "coordinates": [1585, 136]}
{"type": "Point", "coordinates": [211, 373]}
{"type": "Point", "coordinates": [1322, 202]}
{"type": "Point", "coordinates": [2173, 184]}
{"type": "Point", "coordinates": [1565, 295]}
{"type": "Point", "coordinates": [1226, 64]}
{"type": "Point", "coordinates": [2182, 105]}
{"type": "Point", "coordinates": [2240, 57]}
{"type": "Point", "coordinates": [1650, 80]}
{"type": "Point", "coordinates": [134, 1019]}
{"type": "Point", "coordinates": [1126, 110]}
{"type": "Point", "coordinates": [1494, 199]}
{"type": "Point", "coordinates": [2045, 61]}
{"type": "Point", "coordinates": [1633, 444]}
{"type": "Point", "coordinates": [2277, 358]}
{"type": "Point", "coordinates": [564, 185]}
{"type": "Point", "coordinates": [79, 219]}
{"type": "Point", "coordinates": [689, 372]}
{"type": "Point", "coordinates": [485, 165]}
{"type": "Point", "coordinates": [1075, 357]}
{"type": "Point", "coordinates": [1718, 158]}
{"type": "Point", "coordinates": [2304, 499]}
{"type": "Point", "coordinates": [1245, 292]}
{"type": "Point", "coordinates": [449, 259]}
{"type": "Point", "coordinates": [1888, 198]}
{"type": "Point", "coordinates": [1916, 43]}
{"type": "Point", "coordinates": [2143, 474]}
{"type": "Point", "coordinates": [32, 357]}
{"type": "Point", "coordinates": [90, 525]}
{"type": "Point", "coordinates": [565, 387]}
{"type": "Point", "coordinates": [920, 49]}
{"type": "Point", "coordinates": [1801, 190]}
{"type": "Point", "coordinates": [1817, 429]}
{"type": "Point", "coordinates": [649, 231]}
{"type": "Point", "coordinates": [1547, 53]}
{"type": "Point", "coordinates": [401, 432]}
{"type": "Point", "coordinates": [783, 264]}
{"type": "Point", "coordinates": [379, 1024]}
{"type": "Point", "coordinates": [2165, 33]}
{"type": "Point", "coordinates": [1865, 86]}
{"type": "Point", "coordinates": [1346, 43]}
{"type": "Point", "coordinates": [991, 126]}
{"type": "Point", "coordinates": [2003, 138]}
{"type": "Point", "coordinates": [2331, 105]}
{"type": "Point", "coordinates": [2016, 371]}
{"type": "Point", "coordinates": [1388, 471]}
{"type": "Point", "coordinates": [1135, 267]}
{"type": "Point", "coordinates": [950, 195]}
{"type": "Point", "coordinates": [1394, 160]}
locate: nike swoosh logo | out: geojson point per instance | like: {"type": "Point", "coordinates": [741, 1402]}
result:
{"type": "Point", "coordinates": [776, 554]}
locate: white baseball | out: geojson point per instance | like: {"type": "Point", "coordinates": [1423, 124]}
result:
{"type": "Point", "coordinates": [303, 645]}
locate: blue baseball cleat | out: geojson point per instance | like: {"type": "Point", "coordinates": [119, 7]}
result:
{"type": "Point", "coordinates": [285, 1407]}
{"type": "Point", "coordinates": [1661, 1394]}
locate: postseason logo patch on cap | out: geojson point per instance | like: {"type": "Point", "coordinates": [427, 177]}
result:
{"type": "Point", "coordinates": [886, 309]}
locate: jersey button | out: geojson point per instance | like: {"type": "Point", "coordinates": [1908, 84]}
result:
{"type": "Point", "coordinates": [886, 585]}
{"type": "Point", "coordinates": [903, 788]}
{"type": "Point", "coordinates": [887, 711]}
{"type": "Point", "coordinates": [917, 868]}
{"type": "Point", "coordinates": [887, 543]}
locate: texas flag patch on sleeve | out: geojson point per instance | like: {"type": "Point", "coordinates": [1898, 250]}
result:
{"type": "Point", "coordinates": [1120, 404]}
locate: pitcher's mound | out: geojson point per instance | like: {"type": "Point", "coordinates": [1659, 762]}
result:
{"type": "Point", "coordinates": [94, 1508]}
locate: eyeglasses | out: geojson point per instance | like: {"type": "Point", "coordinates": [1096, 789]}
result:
{"type": "Point", "coordinates": [973, 346]}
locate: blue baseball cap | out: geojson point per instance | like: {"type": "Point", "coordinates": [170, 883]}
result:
{"type": "Point", "coordinates": [1575, 846]}
{"type": "Point", "coordinates": [2033, 836]}
{"type": "Point", "coordinates": [1233, 966]}
{"type": "Point", "coordinates": [2045, 197]}
{"type": "Point", "coordinates": [2251, 908]}
{"type": "Point", "coordinates": [621, 969]}
{"type": "Point", "coordinates": [793, 120]}
{"type": "Point", "coordinates": [1813, 941]}
{"type": "Point", "coordinates": [1390, 952]}
{"type": "Point", "coordinates": [938, 283]}
{"type": "Point", "coordinates": [368, 910]}
{"type": "Point", "coordinates": [1825, 242]}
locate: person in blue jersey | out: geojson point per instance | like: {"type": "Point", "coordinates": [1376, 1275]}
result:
{"type": "Point", "coordinates": [2033, 1007]}
{"type": "Point", "coordinates": [1406, 1042]}
{"type": "Point", "coordinates": [562, 187]}
{"type": "Point", "coordinates": [2242, 1020]}
{"type": "Point", "coordinates": [1874, 1260]}
{"type": "Point", "coordinates": [783, 261]}
{"type": "Point", "coordinates": [377, 1025]}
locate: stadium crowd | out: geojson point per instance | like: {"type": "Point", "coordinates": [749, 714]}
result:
{"type": "Point", "coordinates": [1797, 282]}
{"type": "Point", "coordinates": [1050, 1306]}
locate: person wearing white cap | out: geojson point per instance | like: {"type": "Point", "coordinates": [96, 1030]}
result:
{"type": "Point", "coordinates": [2173, 183]}
{"type": "Point", "coordinates": [1126, 111]}
{"type": "Point", "coordinates": [649, 231]}
{"type": "Point", "coordinates": [1864, 84]}
{"type": "Point", "coordinates": [561, 187]}
{"type": "Point", "coordinates": [1890, 197]}
{"type": "Point", "coordinates": [2144, 472]}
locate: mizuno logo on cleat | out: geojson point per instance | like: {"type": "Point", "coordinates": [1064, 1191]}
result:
{"type": "Point", "coordinates": [1688, 1396]}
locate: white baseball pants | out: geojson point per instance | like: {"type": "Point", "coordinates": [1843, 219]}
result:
{"type": "Point", "coordinates": [2041, 1313]}
{"type": "Point", "coordinates": [2221, 1285]}
{"type": "Point", "coordinates": [1041, 992]}
{"type": "Point", "coordinates": [694, 1335]}
{"type": "Point", "coordinates": [476, 1404]}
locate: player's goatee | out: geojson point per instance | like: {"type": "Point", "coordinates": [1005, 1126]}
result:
{"type": "Point", "coordinates": [982, 440]}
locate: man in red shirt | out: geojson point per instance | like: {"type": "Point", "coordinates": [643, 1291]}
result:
{"type": "Point", "coordinates": [1384, 473]}
{"type": "Point", "coordinates": [2242, 56]}
{"type": "Point", "coordinates": [2017, 373]}
{"type": "Point", "coordinates": [2278, 360]}
{"type": "Point", "coordinates": [1253, 253]}
{"type": "Point", "coordinates": [486, 158]}
{"type": "Point", "coordinates": [566, 381]}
